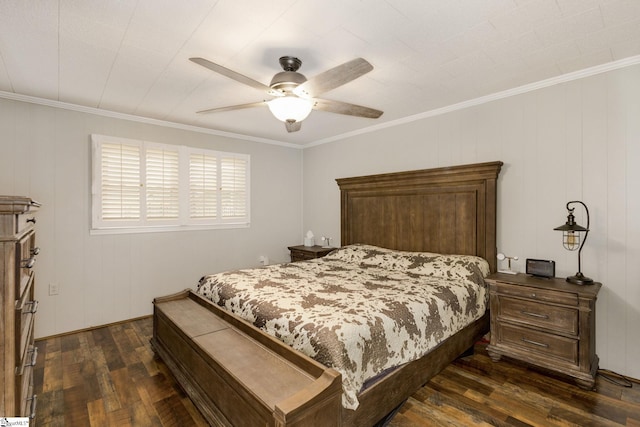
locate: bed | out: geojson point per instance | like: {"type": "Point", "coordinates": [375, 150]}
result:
{"type": "Point", "coordinates": [234, 371]}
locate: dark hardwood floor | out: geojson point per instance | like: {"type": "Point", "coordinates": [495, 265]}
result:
{"type": "Point", "coordinates": [110, 377]}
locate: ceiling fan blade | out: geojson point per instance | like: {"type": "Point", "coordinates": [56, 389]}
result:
{"type": "Point", "coordinates": [234, 107]}
{"type": "Point", "coordinates": [346, 108]}
{"type": "Point", "coordinates": [333, 78]}
{"type": "Point", "coordinates": [231, 74]}
{"type": "Point", "coordinates": [293, 126]}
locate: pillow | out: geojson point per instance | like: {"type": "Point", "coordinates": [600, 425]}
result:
{"type": "Point", "coordinates": [466, 267]}
{"type": "Point", "coordinates": [352, 253]}
{"type": "Point", "coordinates": [370, 255]}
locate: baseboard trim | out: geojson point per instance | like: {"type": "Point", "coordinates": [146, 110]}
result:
{"type": "Point", "coordinates": [91, 328]}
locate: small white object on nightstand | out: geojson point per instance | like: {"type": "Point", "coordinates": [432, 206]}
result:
{"type": "Point", "coordinates": [309, 239]}
{"type": "Point", "coordinates": [327, 242]}
{"type": "Point", "coordinates": [502, 257]}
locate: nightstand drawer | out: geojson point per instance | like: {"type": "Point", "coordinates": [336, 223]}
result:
{"type": "Point", "coordinates": [537, 294]}
{"type": "Point", "coordinates": [544, 344]}
{"type": "Point", "coordinates": [304, 253]}
{"type": "Point", "coordinates": [301, 255]}
{"type": "Point", "coordinates": [550, 317]}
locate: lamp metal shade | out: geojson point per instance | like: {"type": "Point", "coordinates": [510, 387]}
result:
{"type": "Point", "coordinates": [571, 227]}
{"type": "Point", "coordinates": [571, 224]}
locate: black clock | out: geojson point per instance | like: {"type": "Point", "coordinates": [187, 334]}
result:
{"type": "Point", "coordinates": [541, 267]}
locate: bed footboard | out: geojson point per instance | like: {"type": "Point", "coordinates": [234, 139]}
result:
{"type": "Point", "coordinates": [237, 375]}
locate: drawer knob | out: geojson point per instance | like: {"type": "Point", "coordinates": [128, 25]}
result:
{"type": "Point", "coordinates": [35, 251]}
{"type": "Point", "coordinates": [539, 344]}
{"type": "Point", "coordinates": [29, 263]}
{"type": "Point", "coordinates": [34, 402]}
{"type": "Point", "coordinates": [34, 307]}
{"type": "Point", "coordinates": [34, 356]}
{"type": "Point", "coordinates": [533, 295]}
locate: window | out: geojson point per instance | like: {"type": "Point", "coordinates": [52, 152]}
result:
{"type": "Point", "coordinates": [145, 186]}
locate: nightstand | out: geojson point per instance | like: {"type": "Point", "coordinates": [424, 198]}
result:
{"type": "Point", "coordinates": [549, 323]}
{"type": "Point", "coordinates": [302, 253]}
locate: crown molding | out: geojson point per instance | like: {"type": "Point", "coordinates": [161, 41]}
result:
{"type": "Point", "coordinates": [132, 117]}
{"type": "Point", "coordinates": [563, 78]}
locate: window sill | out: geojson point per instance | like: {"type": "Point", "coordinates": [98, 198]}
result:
{"type": "Point", "coordinates": [163, 228]}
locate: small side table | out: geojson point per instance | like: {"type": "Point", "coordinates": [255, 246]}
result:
{"type": "Point", "coordinates": [545, 322]}
{"type": "Point", "coordinates": [303, 253]}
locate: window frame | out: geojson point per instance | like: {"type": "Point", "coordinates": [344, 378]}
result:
{"type": "Point", "coordinates": [99, 225]}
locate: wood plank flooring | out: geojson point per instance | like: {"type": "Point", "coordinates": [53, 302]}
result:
{"type": "Point", "coordinates": [110, 377]}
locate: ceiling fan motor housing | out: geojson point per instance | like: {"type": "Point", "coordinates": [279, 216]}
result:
{"type": "Point", "coordinates": [290, 63]}
{"type": "Point", "coordinates": [285, 81]}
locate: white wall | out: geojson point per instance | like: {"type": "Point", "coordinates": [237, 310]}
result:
{"type": "Point", "coordinates": [578, 140]}
{"type": "Point", "coordinates": [574, 141]}
{"type": "Point", "coordinates": [45, 154]}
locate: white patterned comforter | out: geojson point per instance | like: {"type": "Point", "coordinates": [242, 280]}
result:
{"type": "Point", "coordinates": [361, 309]}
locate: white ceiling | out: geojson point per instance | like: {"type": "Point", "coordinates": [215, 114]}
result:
{"type": "Point", "coordinates": [131, 56]}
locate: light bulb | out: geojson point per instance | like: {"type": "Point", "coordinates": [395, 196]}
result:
{"type": "Point", "coordinates": [572, 239]}
{"type": "Point", "coordinates": [290, 108]}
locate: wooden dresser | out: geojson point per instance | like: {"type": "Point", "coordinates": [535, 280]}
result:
{"type": "Point", "coordinates": [17, 351]}
{"type": "Point", "coordinates": [546, 322]}
{"type": "Point", "coordinates": [302, 253]}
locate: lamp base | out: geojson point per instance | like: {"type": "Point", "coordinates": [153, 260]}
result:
{"type": "Point", "coordinates": [579, 279]}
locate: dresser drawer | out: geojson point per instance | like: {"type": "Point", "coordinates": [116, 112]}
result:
{"type": "Point", "coordinates": [26, 308]}
{"type": "Point", "coordinates": [26, 252]}
{"type": "Point", "coordinates": [16, 224]}
{"type": "Point", "coordinates": [550, 317]}
{"type": "Point", "coordinates": [25, 394]}
{"type": "Point", "coordinates": [30, 357]}
{"type": "Point", "coordinates": [536, 294]}
{"type": "Point", "coordinates": [23, 222]}
{"type": "Point", "coordinates": [13, 225]}
{"type": "Point", "coordinates": [543, 344]}
{"type": "Point", "coordinates": [24, 344]}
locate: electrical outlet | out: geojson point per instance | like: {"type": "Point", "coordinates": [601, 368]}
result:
{"type": "Point", "coordinates": [54, 289]}
{"type": "Point", "coordinates": [264, 260]}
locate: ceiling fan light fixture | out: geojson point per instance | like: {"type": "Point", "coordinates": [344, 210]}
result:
{"type": "Point", "coordinates": [295, 96]}
{"type": "Point", "coordinates": [290, 107]}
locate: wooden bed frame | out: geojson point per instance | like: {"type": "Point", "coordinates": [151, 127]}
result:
{"type": "Point", "coordinates": [238, 375]}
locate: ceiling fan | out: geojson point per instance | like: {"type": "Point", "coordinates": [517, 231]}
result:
{"type": "Point", "coordinates": [293, 96]}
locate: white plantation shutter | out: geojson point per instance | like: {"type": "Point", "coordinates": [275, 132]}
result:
{"type": "Point", "coordinates": [203, 186]}
{"type": "Point", "coordinates": [233, 184]}
{"type": "Point", "coordinates": [162, 183]}
{"type": "Point", "coordinates": [120, 189]}
{"type": "Point", "coordinates": [144, 186]}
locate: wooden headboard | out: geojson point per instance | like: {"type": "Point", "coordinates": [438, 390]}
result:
{"type": "Point", "coordinates": [450, 210]}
